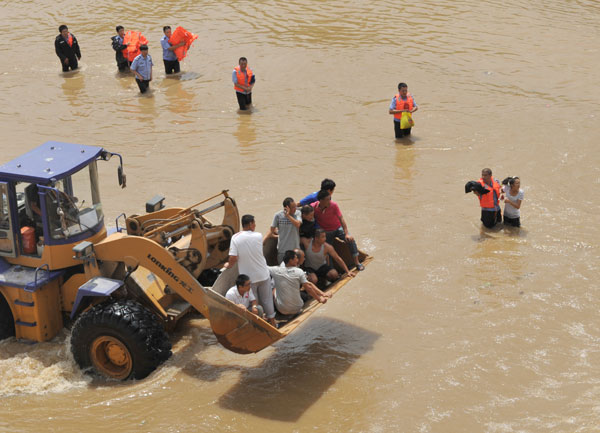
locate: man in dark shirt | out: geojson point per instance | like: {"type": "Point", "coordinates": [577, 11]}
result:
{"type": "Point", "coordinates": [308, 226]}
{"type": "Point", "coordinates": [67, 49]}
{"type": "Point", "coordinates": [119, 46]}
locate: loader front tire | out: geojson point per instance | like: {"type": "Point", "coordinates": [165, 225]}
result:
{"type": "Point", "coordinates": [7, 322]}
{"type": "Point", "coordinates": [120, 340]}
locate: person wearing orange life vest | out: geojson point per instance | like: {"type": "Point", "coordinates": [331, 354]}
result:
{"type": "Point", "coordinates": [402, 102]}
{"type": "Point", "coordinates": [67, 49]}
{"type": "Point", "coordinates": [243, 81]}
{"type": "Point", "coordinates": [490, 201]}
{"type": "Point", "coordinates": [120, 49]}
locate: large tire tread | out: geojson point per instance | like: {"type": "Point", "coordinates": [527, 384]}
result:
{"type": "Point", "coordinates": [131, 323]}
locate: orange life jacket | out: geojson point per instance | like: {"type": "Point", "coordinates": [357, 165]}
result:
{"type": "Point", "coordinates": [487, 200]}
{"type": "Point", "coordinates": [134, 39]}
{"type": "Point", "coordinates": [403, 105]}
{"type": "Point", "coordinates": [182, 35]}
{"type": "Point", "coordinates": [70, 40]}
{"type": "Point", "coordinates": [243, 79]}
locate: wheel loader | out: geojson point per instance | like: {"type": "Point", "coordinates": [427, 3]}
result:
{"type": "Point", "coordinates": [123, 289]}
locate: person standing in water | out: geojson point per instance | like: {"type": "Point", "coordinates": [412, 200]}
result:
{"type": "Point", "coordinates": [169, 58]}
{"type": "Point", "coordinates": [512, 202]}
{"type": "Point", "coordinates": [67, 49]}
{"type": "Point", "coordinates": [402, 102]}
{"type": "Point", "coordinates": [142, 68]}
{"type": "Point", "coordinates": [119, 47]}
{"type": "Point", "coordinates": [489, 202]}
{"type": "Point", "coordinates": [243, 81]}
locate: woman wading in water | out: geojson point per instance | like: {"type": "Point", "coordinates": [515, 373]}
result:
{"type": "Point", "coordinates": [512, 202]}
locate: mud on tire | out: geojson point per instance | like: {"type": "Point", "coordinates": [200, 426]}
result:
{"type": "Point", "coordinates": [121, 340]}
{"type": "Point", "coordinates": [7, 323]}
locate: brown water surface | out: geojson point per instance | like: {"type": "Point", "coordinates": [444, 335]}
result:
{"type": "Point", "coordinates": [450, 329]}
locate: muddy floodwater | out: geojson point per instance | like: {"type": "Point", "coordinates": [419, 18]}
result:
{"type": "Point", "coordinates": [450, 328]}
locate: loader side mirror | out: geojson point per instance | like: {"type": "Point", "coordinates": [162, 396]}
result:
{"type": "Point", "coordinates": [121, 176]}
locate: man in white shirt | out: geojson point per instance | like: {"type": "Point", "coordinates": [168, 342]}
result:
{"type": "Point", "coordinates": [242, 296]}
{"type": "Point", "coordinates": [247, 251]}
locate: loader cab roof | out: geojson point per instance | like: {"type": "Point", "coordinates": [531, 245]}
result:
{"type": "Point", "coordinates": [51, 160]}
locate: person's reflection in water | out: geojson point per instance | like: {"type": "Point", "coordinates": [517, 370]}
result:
{"type": "Point", "coordinates": [73, 86]}
{"type": "Point", "coordinates": [500, 255]}
{"type": "Point", "coordinates": [147, 108]}
{"type": "Point", "coordinates": [405, 161]}
{"type": "Point", "coordinates": [246, 135]}
{"type": "Point", "coordinates": [179, 100]}
{"type": "Point", "coordinates": [124, 80]}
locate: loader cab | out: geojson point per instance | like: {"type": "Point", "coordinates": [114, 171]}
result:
{"type": "Point", "coordinates": [49, 197]}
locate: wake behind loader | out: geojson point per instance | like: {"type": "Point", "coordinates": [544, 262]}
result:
{"type": "Point", "coordinates": [121, 292]}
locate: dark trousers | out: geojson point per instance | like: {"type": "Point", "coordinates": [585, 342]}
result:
{"type": "Point", "coordinates": [244, 100]}
{"type": "Point", "coordinates": [515, 222]}
{"type": "Point", "coordinates": [171, 66]}
{"type": "Point", "coordinates": [143, 85]}
{"type": "Point", "coordinates": [490, 218]}
{"type": "Point", "coordinates": [400, 132]}
{"type": "Point", "coordinates": [72, 64]}
{"type": "Point", "coordinates": [123, 66]}
{"type": "Point", "coordinates": [339, 233]}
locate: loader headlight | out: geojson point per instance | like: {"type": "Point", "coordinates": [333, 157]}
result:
{"type": "Point", "coordinates": [155, 203]}
{"type": "Point", "coordinates": [83, 249]}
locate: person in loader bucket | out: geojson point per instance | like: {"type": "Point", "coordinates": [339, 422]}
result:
{"type": "Point", "coordinates": [247, 251]}
{"type": "Point", "coordinates": [288, 280]}
{"type": "Point", "coordinates": [241, 295]}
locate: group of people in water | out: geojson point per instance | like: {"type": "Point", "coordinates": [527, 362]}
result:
{"type": "Point", "coordinates": [304, 256]}
{"type": "Point", "coordinates": [304, 231]}
{"type": "Point", "coordinates": [67, 49]}
{"type": "Point", "coordinates": [491, 193]}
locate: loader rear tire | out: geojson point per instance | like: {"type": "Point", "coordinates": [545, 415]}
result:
{"type": "Point", "coordinates": [7, 322]}
{"type": "Point", "coordinates": [120, 340]}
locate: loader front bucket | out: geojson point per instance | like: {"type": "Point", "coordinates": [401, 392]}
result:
{"type": "Point", "coordinates": [238, 329]}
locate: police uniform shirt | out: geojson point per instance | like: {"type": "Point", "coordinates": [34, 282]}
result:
{"type": "Point", "coordinates": [143, 66]}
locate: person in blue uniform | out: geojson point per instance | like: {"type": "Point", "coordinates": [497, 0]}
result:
{"type": "Point", "coordinates": [142, 68]}
{"type": "Point", "coordinates": [169, 57]}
